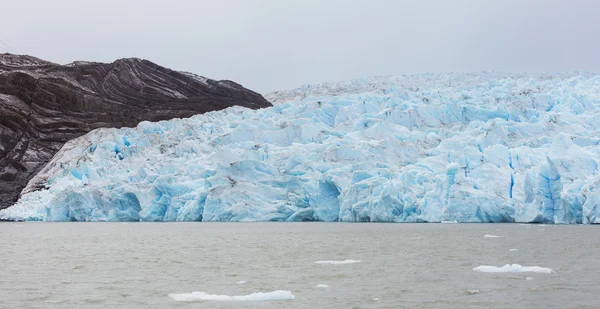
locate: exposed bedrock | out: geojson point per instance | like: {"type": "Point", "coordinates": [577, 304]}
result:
{"type": "Point", "coordinates": [43, 105]}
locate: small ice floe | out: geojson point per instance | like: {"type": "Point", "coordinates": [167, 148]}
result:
{"type": "Point", "coordinates": [449, 222]}
{"type": "Point", "coordinates": [513, 250]}
{"type": "Point", "coordinates": [491, 236]}
{"type": "Point", "coordinates": [241, 282]}
{"type": "Point", "coordinates": [200, 296]}
{"type": "Point", "coordinates": [77, 267]}
{"type": "Point", "coordinates": [376, 298]}
{"type": "Point", "coordinates": [529, 278]}
{"type": "Point", "coordinates": [338, 262]}
{"type": "Point", "coordinates": [322, 286]}
{"type": "Point", "coordinates": [472, 291]}
{"type": "Point", "coordinates": [514, 268]}
{"type": "Point", "coordinates": [54, 302]}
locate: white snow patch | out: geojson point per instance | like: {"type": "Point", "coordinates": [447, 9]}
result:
{"type": "Point", "coordinates": [260, 296]}
{"type": "Point", "coordinates": [491, 236]}
{"type": "Point", "coordinates": [338, 262]}
{"type": "Point", "coordinates": [514, 268]}
{"type": "Point", "coordinates": [323, 286]}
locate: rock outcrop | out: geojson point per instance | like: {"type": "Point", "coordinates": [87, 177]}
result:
{"type": "Point", "coordinates": [43, 105]}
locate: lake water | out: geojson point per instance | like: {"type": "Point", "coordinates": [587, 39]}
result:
{"type": "Point", "coordinates": [137, 265]}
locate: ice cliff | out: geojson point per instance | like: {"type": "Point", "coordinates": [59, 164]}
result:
{"type": "Point", "coordinates": [487, 147]}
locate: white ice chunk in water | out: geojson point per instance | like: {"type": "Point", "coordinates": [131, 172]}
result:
{"type": "Point", "coordinates": [338, 262]}
{"type": "Point", "coordinates": [473, 291]}
{"type": "Point", "coordinates": [241, 282]}
{"type": "Point", "coordinates": [491, 236]}
{"type": "Point", "coordinates": [200, 296]}
{"type": "Point", "coordinates": [529, 278]}
{"type": "Point", "coordinates": [514, 268]}
{"type": "Point", "coordinates": [323, 286]}
{"type": "Point", "coordinates": [513, 250]}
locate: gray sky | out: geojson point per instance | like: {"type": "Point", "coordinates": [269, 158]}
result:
{"type": "Point", "coordinates": [269, 45]}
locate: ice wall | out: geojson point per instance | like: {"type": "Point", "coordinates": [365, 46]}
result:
{"type": "Point", "coordinates": [485, 147]}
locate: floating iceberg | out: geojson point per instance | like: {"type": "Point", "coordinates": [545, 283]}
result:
{"type": "Point", "coordinates": [200, 296]}
{"type": "Point", "coordinates": [514, 268]}
{"type": "Point", "coordinates": [485, 147]}
{"type": "Point", "coordinates": [338, 262]}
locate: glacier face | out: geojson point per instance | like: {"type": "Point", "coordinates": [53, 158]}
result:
{"type": "Point", "coordinates": [487, 147]}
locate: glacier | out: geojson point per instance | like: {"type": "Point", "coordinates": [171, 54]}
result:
{"type": "Point", "coordinates": [459, 147]}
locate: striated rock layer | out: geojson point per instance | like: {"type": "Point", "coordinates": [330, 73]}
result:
{"type": "Point", "coordinates": [43, 105]}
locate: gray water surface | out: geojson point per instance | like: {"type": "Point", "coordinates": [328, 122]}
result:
{"type": "Point", "coordinates": [136, 265]}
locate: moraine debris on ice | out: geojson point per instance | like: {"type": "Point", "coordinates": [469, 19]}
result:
{"type": "Point", "coordinates": [488, 147]}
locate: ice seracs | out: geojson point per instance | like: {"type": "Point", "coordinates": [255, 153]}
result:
{"type": "Point", "coordinates": [488, 147]}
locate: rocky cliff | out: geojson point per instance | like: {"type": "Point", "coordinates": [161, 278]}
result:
{"type": "Point", "coordinates": [43, 105]}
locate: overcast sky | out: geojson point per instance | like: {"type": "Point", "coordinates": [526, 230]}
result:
{"type": "Point", "coordinates": [268, 45]}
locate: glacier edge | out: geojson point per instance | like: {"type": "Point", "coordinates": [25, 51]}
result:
{"type": "Point", "coordinates": [488, 147]}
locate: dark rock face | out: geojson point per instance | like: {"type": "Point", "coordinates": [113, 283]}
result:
{"type": "Point", "coordinates": [43, 105]}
